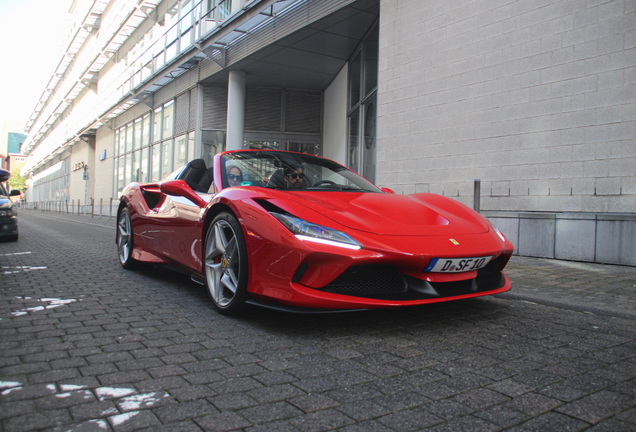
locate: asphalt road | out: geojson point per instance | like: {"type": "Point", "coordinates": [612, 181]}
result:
{"type": "Point", "coordinates": [88, 346]}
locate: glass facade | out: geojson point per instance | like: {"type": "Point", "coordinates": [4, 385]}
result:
{"type": "Point", "coordinates": [363, 85]}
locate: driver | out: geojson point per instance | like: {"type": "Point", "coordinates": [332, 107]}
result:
{"type": "Point", "coordinates": [294, 177]}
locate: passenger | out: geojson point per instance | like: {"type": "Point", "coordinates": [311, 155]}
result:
{"type": "Point", "coordinates": [234, 176]}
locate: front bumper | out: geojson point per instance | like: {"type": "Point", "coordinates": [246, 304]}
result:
{"type": "Point", "coordinates": [8, 226]}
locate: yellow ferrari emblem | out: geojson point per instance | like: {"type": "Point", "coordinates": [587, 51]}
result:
{"type": "Point", "coordinates": [224, 263]}
{"type": "Point", "coordinates": [455, 242]}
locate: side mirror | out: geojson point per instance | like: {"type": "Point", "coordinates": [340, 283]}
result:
{"type": "Point", "coordinates": [387, 190]}
{"type": "Point", "coordinates": [181, 188]}
{"type": "Point", "coordinates": [14, 192]}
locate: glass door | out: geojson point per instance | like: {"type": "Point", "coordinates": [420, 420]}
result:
{"type": "Point", "coordinates": [310, 144]}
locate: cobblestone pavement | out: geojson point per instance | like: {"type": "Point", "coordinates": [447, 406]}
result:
{"type": "Point", "coordinates": [86, 345]}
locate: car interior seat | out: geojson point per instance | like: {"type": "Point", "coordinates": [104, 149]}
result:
{"type": "Point", "coordinates": [277, 179]}
{"type": "Point", "coordinates": [206, 181]}
{"type": "Point", "coordinates": [194, 171]}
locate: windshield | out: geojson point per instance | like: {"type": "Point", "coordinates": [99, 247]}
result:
{"type": "Point", "coordinates": [290, 171]}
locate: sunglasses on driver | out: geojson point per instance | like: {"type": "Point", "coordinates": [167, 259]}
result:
{"type": "Point", "coordinates": [234, 177]}
{"type": "Point", "coordinates": [295, 175]}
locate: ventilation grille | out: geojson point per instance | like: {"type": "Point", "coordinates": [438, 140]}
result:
{"type": "Point", "coordinates": [302, 112]}
{"type": "Point", "coordinates": [214, 108]}
{"type": "Point", "coordinates": [181, 118]}
{"type": "Point", "coordinates": [262, 110]}
{"type": "Point", "coordinates": [368, 281]}
{"type": "Point", "coordinates": [192, 124]}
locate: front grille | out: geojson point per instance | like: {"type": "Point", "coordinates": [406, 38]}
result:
{"type": "Point", "coordinates": [387, 283]}
{"type": "Point", "coordinates": [368, 281]}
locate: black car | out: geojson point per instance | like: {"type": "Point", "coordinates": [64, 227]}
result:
{"type": "Point", "coordinates": [8, 212]}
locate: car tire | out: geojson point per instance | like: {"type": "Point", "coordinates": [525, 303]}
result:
{"type": "Point", "coordinates": [14, 238]}
{"type": "Point", "coordinates": [125, 241]}
{"type": "Point", "coordinates": [225, 264]}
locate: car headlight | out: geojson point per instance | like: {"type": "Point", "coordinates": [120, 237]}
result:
{"type": "Point", "coordinates": [500, 234]}
{"type": "Point", "coordinates": [308, 231]}
{"type": "Point", "coordinates": [6, 213]}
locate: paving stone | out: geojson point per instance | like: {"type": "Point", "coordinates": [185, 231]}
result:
{"type": "Point", "coordinates": [133, 420]}
{"type": "Point", "coordinates": [500, 416]}
{"type": "Point", "coordinates": [410, 420]}
{"type": "Point", "coordinates": [321, 420]}
{"type": "Point", "coordinates": [553, 421]}
{"type": "Point", "coordinates": [612, 425]}
{"type": "Point", "coordinates": [94, 410]}
{"type": "Point", "coordinates": [37, 421]}
{"type": "Point", "coordinates": [313, 402]}
{"type": "Point", "coordinates": [533, 404]}
{"type": "Point", "coordinates": [276, 393]}
{"type": "Point", "coordinates": [270, 412]}
{"type": "Point", "coordinates": [224, 421]}
{"type": "Point", "coordinates": [14, 409]}
{"type": "Point", "coordinates": [585, 411]}
{"type": "Point", "coordinates": [232, 401]}
{"type": "Point", "coordinates": [480, 398]}
{"type": "Point", "coordinates": [400, 401]}
{"type": "Point", "coordinates": [65, 400]}
{"type": "Point", "coordinates": [468, 423]}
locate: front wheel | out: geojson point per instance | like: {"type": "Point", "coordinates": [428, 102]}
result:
{"type": "Point", "coordinates": [226, 264]}
{"type": "Point", "coordinates": [125, 241]}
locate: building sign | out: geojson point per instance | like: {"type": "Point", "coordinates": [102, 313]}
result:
{"type": "Point", "coordinates": [102, 155]}
{"type": "Point", "coordinates": [78, 166]}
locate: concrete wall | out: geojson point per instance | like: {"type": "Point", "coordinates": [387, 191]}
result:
{"type": "Point", "coordinates": [592, 237]}
{"type": "Point", "coordinates": [334, 139]}
{"type": "Point", "coordinates": [103, 190]}
{"type": "Point", "coordinates": [82, 190]}
{"type": "Point", "coordinates": [537, 98]}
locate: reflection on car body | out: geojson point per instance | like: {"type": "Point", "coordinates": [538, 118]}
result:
{"type": "Point", "coordinates": [302, 233]}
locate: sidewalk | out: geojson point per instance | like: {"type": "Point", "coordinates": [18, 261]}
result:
{"type": "Point", "coordinates": [597, 288]}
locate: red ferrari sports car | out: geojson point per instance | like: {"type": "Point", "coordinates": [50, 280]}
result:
{"type": "Point", "coordinates": [302, 233]}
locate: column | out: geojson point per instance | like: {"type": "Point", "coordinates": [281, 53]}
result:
{"type": "Point", "coordinates": [235, 110]}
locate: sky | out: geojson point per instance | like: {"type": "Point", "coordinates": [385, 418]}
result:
{"type": "Point", "coordinates": [31, 35]}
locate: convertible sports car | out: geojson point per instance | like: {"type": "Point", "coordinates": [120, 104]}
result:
{"type": "Point", "coordinates": [302, 233]}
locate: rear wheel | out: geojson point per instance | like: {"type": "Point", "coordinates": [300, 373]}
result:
{"type": "Point", "coordinates": [125, 242]}
{"type": "Point", "coordinates": [226, 264]}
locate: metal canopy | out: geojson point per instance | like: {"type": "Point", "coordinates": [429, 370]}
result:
{"type": "Point", "coordinates": [311, 57]}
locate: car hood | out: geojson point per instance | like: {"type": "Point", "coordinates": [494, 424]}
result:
{"type": "Point", "coordinates": [393, 214]}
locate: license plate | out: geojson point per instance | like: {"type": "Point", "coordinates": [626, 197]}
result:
{"type": "Point", "coordinates": [457, 265]}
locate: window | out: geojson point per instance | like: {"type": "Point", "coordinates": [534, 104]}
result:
{"type": "Point", "coordinates": [137, 134]}
{"type": "Point", "coordinates": [166, 159]}
{"type": "Point", "coordinates": [180, 151]}
{"type": "Point", "coordinates": [190, 146]}
{"type": "Point", "coordinates": [143, 174]}
{"type": "Point", "coordinates": [156, 162]}
{"type": "Point", "coordinates": [145, 136]}
{"type": "Point", "coordinates": [129, 137]}
{"type": "Point", "coordinates": [156, 125]}
{"type": "Point", "coordinates": [116, 152]}
{"type": "Point", "coordinates": [212, 142]}
{"type": "Point", "coordinates": [354, 80]}
{"type": "Point", "coordinates": [168, 115]}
